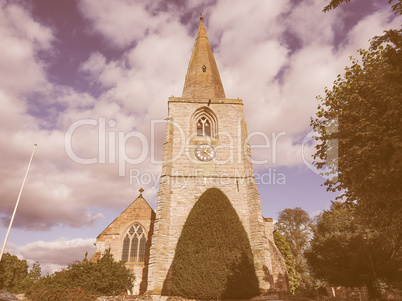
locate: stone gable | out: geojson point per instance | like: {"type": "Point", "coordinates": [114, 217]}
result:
{"type": "Point", "coordinates": [112, 237]}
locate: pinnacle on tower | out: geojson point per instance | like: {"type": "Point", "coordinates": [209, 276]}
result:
{"type": "Point", "coordinates": [202, 79]}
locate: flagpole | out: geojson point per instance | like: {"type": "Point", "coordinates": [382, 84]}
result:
{"type": "Point", "coordinates": [16, 204]}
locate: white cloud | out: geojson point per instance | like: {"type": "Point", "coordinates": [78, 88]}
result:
{"type": "Point", "coordinates": [369, 27]}
{"type": "Point", "coordinates": [108, 74]}
{"type": "Point", "coordinates": [278, 86]}
{"type": "Point", "coordinates": [315, 213]}
{"type": "Point", "coordinates": [307, 22]}
{"type": "Point", "coordinates": [122, 22]}
{"type": "Point", "coordinates": [25, 27]}
{"type": "Point", "coordinates": [21, 38]}
{"type": "Point", "coordinates": [54, 255]}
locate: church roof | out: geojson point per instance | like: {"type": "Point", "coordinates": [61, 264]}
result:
{"type": "Point", "coordinates": [202, 79]}
{"type": "Point", "coordinates": [139, 209]}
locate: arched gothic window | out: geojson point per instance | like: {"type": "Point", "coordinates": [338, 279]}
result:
{"type": "Point", "coordinates": [205, 122]}
{"type": "Point", "coordinates": [134, 244]}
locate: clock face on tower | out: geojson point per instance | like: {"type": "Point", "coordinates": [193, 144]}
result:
{"type": "Point", "coordinates": [205, 152]}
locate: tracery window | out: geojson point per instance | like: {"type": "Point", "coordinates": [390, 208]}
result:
{"type": "Point", "coordinates": [134, 244]}
{"type": "Point", "coordinates": [205, 123]}
{"type": "Point", "coordinates": [203, 127]}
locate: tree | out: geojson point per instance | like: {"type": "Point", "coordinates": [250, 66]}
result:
{"type": "Point", "coordinates": [293, 275]}
{"type": "Point", "coordinates": [213, 258]}
{"type": "Point", "coordinates": [105, 277]}
{"type": "Point", "coordinates": [358, 125]}
{"type": "Point", "coordinates": [396, 7]}
{"type": "Point", "coordinates": [13, 273]}
{"type": "Point", "coordinates": [343, 253]}
{"type": "Point", "coordinates": [295, 226]}
{"type": "Point", "coordinates": [35, 273]}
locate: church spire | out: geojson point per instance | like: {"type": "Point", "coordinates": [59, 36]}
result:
{"type": "Point", "coordinates": [202, 79]}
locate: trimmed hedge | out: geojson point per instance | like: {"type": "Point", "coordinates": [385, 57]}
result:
{"type": "Point", "coordinates": [56, 293]}
{"type": "Point", "coordinates": [213, 258]}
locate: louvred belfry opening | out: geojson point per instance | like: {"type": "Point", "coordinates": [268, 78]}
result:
{"type": "Point", "coordinates": [202, 79]}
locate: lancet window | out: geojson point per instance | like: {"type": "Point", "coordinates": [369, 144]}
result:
{"type": "Point", "coordinates": [134, 244]}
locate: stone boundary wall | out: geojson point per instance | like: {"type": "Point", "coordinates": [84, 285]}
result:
{"type": "Point", "coordinates": [268, 297]}
{"type": "Point", "coordinates": [278, 297]}
{"type": "Point", "coordinates": [124, 298]}
{"type": "Point", "coordinates": [166, 298]}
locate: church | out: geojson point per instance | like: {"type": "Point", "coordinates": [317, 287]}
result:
{"type": "Point", "coordinates": [205, 148]}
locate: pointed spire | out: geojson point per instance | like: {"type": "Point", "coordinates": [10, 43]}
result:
{"type": "Point", "coordinates": [202, 79]}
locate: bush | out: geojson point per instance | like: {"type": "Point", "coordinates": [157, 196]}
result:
{"type": "Point", "coordinates": [105, 277]}
{"type": "Point", "coordinates": [213, 258]}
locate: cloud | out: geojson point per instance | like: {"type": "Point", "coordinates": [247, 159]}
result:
{"type": "Point", "coordinates": [123, 22]}
{"type": "Point", "coordinates": [277, 56]}
{"type": "Point", "coordinates": [21, 40]}
{"type": "Point", "coordinates": [369, 27]}
{"type": "Point", "coordinates": [100, 72]}
{"type": "Point", "coordinates": [54, 255]}
{"type": "Point", "coordinates": [315, 213]}
{"type": "Point", "coordinates": [35, 110]}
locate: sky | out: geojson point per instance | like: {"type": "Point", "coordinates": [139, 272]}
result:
{"type": "Point", "coordinates": [89, 81]}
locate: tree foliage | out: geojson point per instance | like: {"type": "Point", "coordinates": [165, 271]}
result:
{"type": "Point", "coordinates": [14, 275]}
{"type": "Point", "coordinates": [344, 253]}
{"type": "Point", "coordinates": [359, 128]}
{"type": "Point", "coordinates": [213, 258]}
{"type": "Point", "coordinates": [396, 6]}
{"type": "Point", "coordinates": [105, 277]}
{"type": "Point", "coordinates": [293, 275]}
{"type": "Point", "coordinates": [295, 226]}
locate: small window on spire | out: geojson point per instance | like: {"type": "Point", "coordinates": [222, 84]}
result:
{"type": "Point", "coordinates": [204, 68]}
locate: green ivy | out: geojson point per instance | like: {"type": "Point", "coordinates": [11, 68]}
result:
{"type": "Point", "coordinates": [283, 247]}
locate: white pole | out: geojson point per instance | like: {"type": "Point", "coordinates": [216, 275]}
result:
{"type": "Point", "coordinates": [16, 204]}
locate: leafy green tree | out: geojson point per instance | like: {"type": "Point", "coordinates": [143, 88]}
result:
{"type": "Point", "coordinates": [396, 7]}
{"type": "Point", "coordinates": [293, 275]}
{"type": "Point", "coordinates": [35, 273]}
{"type": "Point", "coordinates": [13, 273]}
{"type": "Point", "coordinates": [295, 226]}
{"type": "Point", "coordinates": [344, 253]}
{"type": "Point", "coordinates": [359, 128]}
{"type": "Point", "coordinates": [213, 258]}
{"type": "Point", "coordinates": [105, 277]}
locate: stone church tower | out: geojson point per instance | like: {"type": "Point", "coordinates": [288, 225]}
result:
{"type": "Point", "coordinates": [206, 147]}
